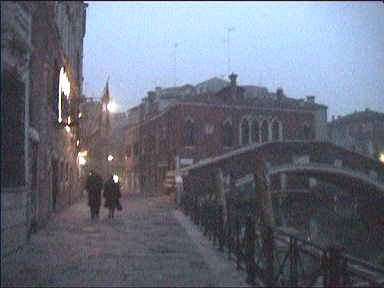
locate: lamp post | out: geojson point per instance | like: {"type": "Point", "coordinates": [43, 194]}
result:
{"type": "Point", "coordinates": [174, 63]}
{"type": "Point", "coordinates": [229, 29]}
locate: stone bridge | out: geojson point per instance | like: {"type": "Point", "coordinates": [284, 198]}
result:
{"type": "Point", "coordinates": [297, 165]}
{"type": "Point", "coordinates": [322, 161]}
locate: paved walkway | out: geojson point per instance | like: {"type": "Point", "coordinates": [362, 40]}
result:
{"type": "Point", "coordinates": [149, 243]}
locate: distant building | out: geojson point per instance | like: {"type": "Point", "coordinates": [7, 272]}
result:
{"type": "Point", "coordinates": [197, 126]}
{"type": "Point", "coordinates": [361, 131]}
{"type": "Point", "coordinates": [214, 85]}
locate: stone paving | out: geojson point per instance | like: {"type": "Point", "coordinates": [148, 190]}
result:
{"type": "Point", "coordinates": [149, 243]}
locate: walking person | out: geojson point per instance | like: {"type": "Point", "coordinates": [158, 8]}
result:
{"type": "Point", "coordinates": [93, 186]}
{"type": "Point", "coordinates": [112, 195]}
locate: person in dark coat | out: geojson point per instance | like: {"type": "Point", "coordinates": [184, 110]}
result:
{"type": "Point", "coordinates": [93, 186]}
{"type": "Point", "coordinates": [112, 195]}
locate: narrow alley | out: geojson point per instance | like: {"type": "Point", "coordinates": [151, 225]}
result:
{"type": "Point", "coordinates": [149, 243]}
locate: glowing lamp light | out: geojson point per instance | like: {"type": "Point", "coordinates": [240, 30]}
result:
{"type": "Point", "coordinates": [80, 115]}
{"type": "Point", "coordinates": [115, 178]}
{"type": "Point", "coordinates": [64, 87]}
{"type": "Point", "coordinates": [69, 120]}
{"type": "Point", "coordinates": [67, 129]}
{"type": "Point", "coordinates": [111, 106]}
{"type": "Point", "coordinates": [381, 157]}
{"type": "Point", "coordinates": [82, 160]}
{"type": "Point", "coordinates": [110, 157]}
{"type": "Point", "coordinates": [78, 142]}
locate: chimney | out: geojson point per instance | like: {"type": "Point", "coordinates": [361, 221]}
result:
{"type": "Point", "coordinates": [311, 99]}
{"type": "Point", "coordinates": [232, 78]}
{"type": "Point", "coordinates": [279, 93]}
{"type": "Point", "coordinates": [151, 96]}
{"type": "Point", "coordinates": [158, 91]}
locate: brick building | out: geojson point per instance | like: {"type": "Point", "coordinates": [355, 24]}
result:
{"type": "Point", "coordinates": [48, 37]}
{"type": "Point", "coordinates": [196, 126]}
{"type": "Point", "coordinates": [361, 131]}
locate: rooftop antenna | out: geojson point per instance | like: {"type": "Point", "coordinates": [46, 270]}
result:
{"type": "Point", "coordinates": [85, 88]}
{"type": "Point", "coordinates": [259, 84]}
{"type": "Point", "coordinates": [229, 29]}
{"type": "Point", "coordinates": [174, 63]}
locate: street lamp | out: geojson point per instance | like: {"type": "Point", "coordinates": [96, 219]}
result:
{"type": "Point", "coordinates": [229, 29]}
{"type": "Point", "coordinates": [381, 157]}
{"type": "Point", "coordinates": [112, 106]}
{"type": "Point", "coordinates": [110, 158]}
{"type": "Point", "coordinates": [82, 160]}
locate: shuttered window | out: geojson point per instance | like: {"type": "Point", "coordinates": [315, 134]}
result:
{"type": "Point", "coordinates": [12, 128]}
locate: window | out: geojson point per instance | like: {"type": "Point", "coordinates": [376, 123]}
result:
{"type": "Point", "coordinates": [128, 151]}
{"type": "Point", "coordinates": [12, 125]}
{"type": "Point", "coordinates": [189, 133]}
{"type": "Point", "coordinates": [306, 131]}
{"type": "Point", "coordinates": [255, 131]}
{"type": "Point", "coordinates": [227, 134]}
{"type": "Point", "coordinates": [275, 131]}
{"type": "Point", "coordinates": [209, 129]}
{"type": "Point", "coordinates": [245, 132]}
{"type": "Point", "coordinates": [264, 131]}
{"type": "Point", "coordinates": [136, 149]}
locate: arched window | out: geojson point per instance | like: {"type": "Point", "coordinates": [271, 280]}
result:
{"type": "Point", "coordinates": [306, 131]}
{"type": "Point", "coordinates": [245, 132]}
{"type": "Point", "coordinates": [227, 134]}
{"type": "Point", "coordinates": [255, 131]}
{"type": "Point", "coordinates": [189, 133]}
{"type": "Point", "coordinates": [264, 131]}
{"type": "Point", "coordinates": [275, 131]}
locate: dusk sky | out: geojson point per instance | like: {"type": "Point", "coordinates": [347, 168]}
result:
{"type": "Point", "coordinates": [332, 50]}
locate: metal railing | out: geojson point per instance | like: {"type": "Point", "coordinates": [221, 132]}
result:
{"type": "Point", "coordinates": [277, 256]}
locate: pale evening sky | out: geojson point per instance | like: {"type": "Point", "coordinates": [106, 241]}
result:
{"type": "Point", "coordinates": [333, 50]}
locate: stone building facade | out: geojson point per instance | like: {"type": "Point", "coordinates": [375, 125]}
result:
{"type": "Point", "coordinates": [16, 50]}
{"type": "Point", "coordinates": [361, 131]}
{"type": "Point", "coordinates": [201, 126]}
{"type": "Point", "coordinates": [49, 111]}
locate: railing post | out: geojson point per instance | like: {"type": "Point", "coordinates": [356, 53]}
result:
{"type": "Point", "coordinates": [215, 222]}
{"type": "Point", "coordinates": [250, 249]}
{"type": "Point", "coordinates": [229, 236]}
{"type": "Point", "coordinates": [195, 210]}
{"type": "Point", "coordinates": [268, 247]}
{"type": "Point", "coordinates": [198, 210]}
{"type": "Point", "coordinates": [205, 217]}
{"type": "Point", "coordinates": [294, 255]}
{"type": "Point", "coordinates": [220, 227]}
{"type": "Point", "coordinates": [238, 246]}
{"type": "Point", "coordinates": [334, 265]}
